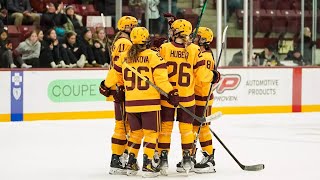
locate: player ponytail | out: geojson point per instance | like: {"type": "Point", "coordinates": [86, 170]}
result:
{"type": "Point", "coordinates": [115, 38]}
{"type": "Point", "coordinates": [135, 50]}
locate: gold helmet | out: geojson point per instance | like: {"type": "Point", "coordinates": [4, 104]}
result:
{"type": "Point", "coordinates": [139, 35]}
{"type": "Point", "coordinates": [182, 27]}
{"type": "Point", "coordinates": [126, 21]}
{"type": "Point", "coordinates": [206, 34]}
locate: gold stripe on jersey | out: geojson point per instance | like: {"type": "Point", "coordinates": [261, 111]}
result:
{"type": "Point", "coordinates": [121, 45]}
{"type": "Point", "coordinates": [185, 66]}
{"type": "Point", "coordinates": [140, 96]}
{"type": "Point", "coordinates": [202, 88]}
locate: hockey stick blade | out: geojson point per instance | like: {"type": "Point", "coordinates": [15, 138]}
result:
{"type": "Point", "coordinates": [257, 167]}
{"type": "Point", "coordinates": [213, 117]}
{"type": "Point", "coordinates": [224, 34]}
{"type": "Point", "coordinates": [103, 20]}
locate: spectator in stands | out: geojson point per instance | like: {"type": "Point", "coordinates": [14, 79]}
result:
{"type": "Point", "coordinates": [29, 51]}
{"type": "Point", "coordinates": [307, 46]}
{"type": "Point", "coordinates": [87, 44]}
{"type": "Point", "coordinates": [237, 59]}
{"type": "Point", "coordinates": [268, 57]}
{"type": "Point", "coordinates": [85, 1]}
{"type": "Point", "coordinates": [3, 13]}
{"type": "Point", "coordinates": [101, 47]}
{"type": "Point", "coordinates": [43, 45]}
{"type": "Point", "coordinates": [74, 21]}
{"type": "Point", "coordinates": [21, 10]}
{"type": "Point", "coordinates": [137, 8]}
{"type": "Point", "coordinates": [233, 5]}
{"type": "Point", "coordinates": [54, 18]}
{"type": "Point", "coordinates": [40, 36]}
{"type": "Point", "coordinates": [51, 54]}
{"type": "Point", "coordinates": [153, 15]}
{"type": "Point", "coordinates": [164, 8]}
{"type": "Point", "coordinates": [107, 7]}
{"type": "Point", "coordinates": [6, 57]}
{"type": "Point", "coordinates": [75, 52]}
{"type": "Point", "coordinates": [295, 56]}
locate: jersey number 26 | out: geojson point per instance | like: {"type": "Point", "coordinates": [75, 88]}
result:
{"type": "Point", "coordinates": [183, 77]}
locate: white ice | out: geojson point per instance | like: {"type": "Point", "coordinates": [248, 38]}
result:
{"type": "Point", "coordinates": [288, 145]}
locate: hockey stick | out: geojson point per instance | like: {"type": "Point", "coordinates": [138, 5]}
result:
{"type": "Point", "coordinates": [222, 46]}
{"type": "Point", "coordinates": [256, 167]}
{"type": "Point", "coordinates": [199, 19]}
{"type": "Point", "coordinates": [194, 150]}
{"type": "Point", "coordinates": [200, 119]}
{"type": "Point", "coordinates": [122, 105]}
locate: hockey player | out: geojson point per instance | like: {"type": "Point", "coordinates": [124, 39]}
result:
{"type": "Point", "coordinates": [184, 67]}
{"type": "Point", "coordinates": [120, 44]}
{"type": "Point", "coordinates": [203, 39]}
{"type": "Point", "coordinates": [142, 100]}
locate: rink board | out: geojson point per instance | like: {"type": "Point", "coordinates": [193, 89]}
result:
{"type": "Point", "coordinates": [310, 89]}
{"type": "Point", "coordinates": [5, 96]}
{"type": "Point", "coordinates": [73, 94]}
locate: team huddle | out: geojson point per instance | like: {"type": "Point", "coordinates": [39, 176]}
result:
{"type": "Point", "coordinates": [184, 70]}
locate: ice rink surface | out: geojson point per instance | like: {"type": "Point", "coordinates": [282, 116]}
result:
{"type": "Point", "coordinates": [288, 145]}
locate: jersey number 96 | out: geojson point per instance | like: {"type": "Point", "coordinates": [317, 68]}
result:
{"type": "Point", "coordinates": [136, 82]}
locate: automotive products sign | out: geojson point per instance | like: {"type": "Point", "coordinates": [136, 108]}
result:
{"type": "Point", "coordinates": [75, 90]}
{"type": "Point", "coordinates": [253, 87]}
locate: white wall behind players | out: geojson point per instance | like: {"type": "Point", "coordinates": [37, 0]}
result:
{"type": "Point", "coordinates": [5, 97]}
{"type": "Point", "coordinates": [311, 86]}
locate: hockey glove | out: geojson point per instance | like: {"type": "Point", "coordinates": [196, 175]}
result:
{"type": "Point", "coordinates": [104, 90]}
{"type": "Point", "coordinates": [173, 98]}
{"type": "Point", "coordinates": [157, 42]}
{"type": "Point", "coordinates": [120, 95]}
{"type": "Point", "coordinates": [170, 17]}
{"type": "Point", "coordinates": [216, 77]}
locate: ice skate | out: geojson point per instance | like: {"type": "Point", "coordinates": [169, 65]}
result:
{"type": "Point", "coordinates": [132, 165]}
{"type": "Point", "coordinates": [186, 161]}
{"type": "Point", "coordinates": [149, 170]}
{"type": "Point", "coordinates": [180, 168]}
{"type": "Point", "coordinates": [207, 164]}
{"type": "Point", "coordinates": [124, 158]}
{"type": "Point", "coordinates": [164, 163]}
{"type": "Point", "coordinates": [156, 159]}
{"type": "Point", "coordinates": [116, 167]}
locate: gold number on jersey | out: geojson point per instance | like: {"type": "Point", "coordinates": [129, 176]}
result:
{"type": "Point", "coordinates": [183, 77]}
{"type": "Point", "coordinates": [133, 77]}
{"type": "Point", "coordinates": [121, 47]}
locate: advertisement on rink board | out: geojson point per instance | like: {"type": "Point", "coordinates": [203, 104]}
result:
{"type": "Point", "coordinates": [64, 91]}
{"type": "Point", "coordinates": [253, 87]}
{"type": "Point", "coordinates": [74, 94]}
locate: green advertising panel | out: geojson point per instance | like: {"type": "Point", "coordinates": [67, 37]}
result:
{"type": "Point", "coordinates": [75, 90]}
